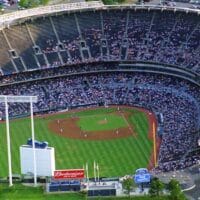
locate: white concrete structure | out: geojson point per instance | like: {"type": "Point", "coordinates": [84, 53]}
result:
{"type": "Point", "coordinates": [8, 19]}
{"type": "Point", "coordinates": [45, 160]}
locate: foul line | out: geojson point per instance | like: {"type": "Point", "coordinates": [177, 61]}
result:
{"type": "Point", "coordinates": [129, 126]}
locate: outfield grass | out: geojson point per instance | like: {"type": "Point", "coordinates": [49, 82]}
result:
{"type": "Point", "coordinates": [115, 157]}
{"type": "Point", "coordinates": [101, 122]}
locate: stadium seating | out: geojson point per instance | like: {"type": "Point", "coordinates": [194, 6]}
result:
{"type": "Point", "coordinates": [76, 56]}
{"type": "Point", "coordinates": [176, 99]}
{"type": "Point", "coordinates": [164, 37]}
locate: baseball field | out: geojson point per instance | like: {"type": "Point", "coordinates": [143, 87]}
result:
{"type": "Point", "coordinates": [119, 139]}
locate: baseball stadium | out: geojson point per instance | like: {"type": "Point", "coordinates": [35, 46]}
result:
{"type": "Point", "coordinates": [116, 89]}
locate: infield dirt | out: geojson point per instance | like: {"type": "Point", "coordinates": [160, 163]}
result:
{"type": "Point", "coordinates": [69, 128]}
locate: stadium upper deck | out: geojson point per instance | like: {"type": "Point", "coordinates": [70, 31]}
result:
{"type": "Point", "coordinates": [86, 32]}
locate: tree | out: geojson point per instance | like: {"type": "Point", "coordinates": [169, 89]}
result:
{"type": "Point", "coordinates": [109, 2]}
{"type": "Point", "coordinates": [44, 2]}
{"type": "Point", "coordinates": [175, 190]}
{"type": "Point", "coordinates": [32, 3]}
{"type": "Point", "coordinates": [128, 184]}
{"type": "Point", "coordinates": [156, 187]}
{"type": "Point", "coordinates": [84, 194]}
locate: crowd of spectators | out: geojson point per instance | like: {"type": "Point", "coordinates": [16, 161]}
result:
{"type": "Point", "coordinates": [176, 99]}
{"type": "Point", "coordinates": [164, 37]}
{"type": "Point", "coordinates": [53, 72]}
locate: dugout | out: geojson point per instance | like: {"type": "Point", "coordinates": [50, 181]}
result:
{"type": "Point", "coordinates": [64, 186]}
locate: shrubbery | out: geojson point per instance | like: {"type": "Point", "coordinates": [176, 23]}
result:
{"type": "Point", "coordinates": [112, 1]}
{"type": "Point", "coordinates": [32, 3]}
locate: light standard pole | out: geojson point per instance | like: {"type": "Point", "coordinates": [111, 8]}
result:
{"type": "Point", "coordinates": [19, 99]}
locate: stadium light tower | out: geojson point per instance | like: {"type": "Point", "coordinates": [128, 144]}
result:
{"type": "Point", "coordinates": [19, 99]}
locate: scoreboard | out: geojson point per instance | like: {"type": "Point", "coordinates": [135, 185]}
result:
{"type": "Point", "coordinates": [45, 160]}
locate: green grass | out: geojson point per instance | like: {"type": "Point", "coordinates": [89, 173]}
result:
{"type": "Point", "coordinates": [20, 192]}
{"type": "Point", "coordinates": [101, 122]}
{"type": "Point", "coordinates": [115, 157]}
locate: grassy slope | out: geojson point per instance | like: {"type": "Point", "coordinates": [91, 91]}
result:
{"type": "Point", "coordinates": [115, 157]}
{"type": "Point", "coordinates": [19, 192]}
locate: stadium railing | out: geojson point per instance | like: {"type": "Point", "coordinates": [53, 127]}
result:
{"type": "Point", "coordinates": [7, 19]}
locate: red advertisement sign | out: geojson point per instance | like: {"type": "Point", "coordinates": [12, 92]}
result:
{"type": "Point", "coordinates": [69, 174]}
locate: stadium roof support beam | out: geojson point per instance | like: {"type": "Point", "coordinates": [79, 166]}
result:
{"type": "Point", "coordinates": [19, 99]}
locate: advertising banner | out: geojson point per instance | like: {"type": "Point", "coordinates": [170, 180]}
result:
{"type": "Point", "coordinates": [69, 174]}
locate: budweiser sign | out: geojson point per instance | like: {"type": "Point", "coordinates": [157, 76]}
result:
{"type": "Point", "coordinates": [69, 174]}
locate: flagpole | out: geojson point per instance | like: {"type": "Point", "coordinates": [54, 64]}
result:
{"type": "Point", "coordinates": [87, 176]}
{"type": "Point", "coordinates": [86, 168]}
{"type": "Point", "coordinates": [98, 172]}
{"type": "Point", "coordinates": [94, 171]}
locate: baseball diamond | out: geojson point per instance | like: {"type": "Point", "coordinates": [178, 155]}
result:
{"type": "Point", "coordinates": [129, 141]}
{"type": "Point", "coordinates": [94, 126]}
